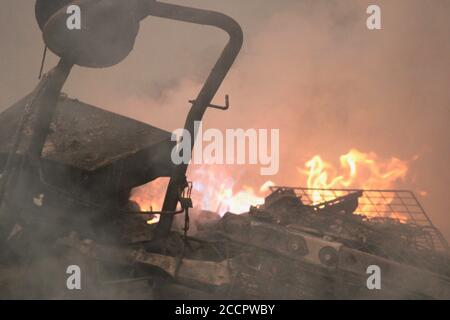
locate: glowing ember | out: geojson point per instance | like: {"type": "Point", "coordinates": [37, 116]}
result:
{"type": "Point", "coordinates": [150, 197]}
{"type": "Point", "coordinates": [153, 220]}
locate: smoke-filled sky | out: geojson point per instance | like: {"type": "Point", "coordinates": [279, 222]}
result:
{"type": "Point", "coordinates": [308, 67]}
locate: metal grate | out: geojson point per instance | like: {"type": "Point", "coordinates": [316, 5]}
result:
{"type": "Point", "coordinates": [401, 205]}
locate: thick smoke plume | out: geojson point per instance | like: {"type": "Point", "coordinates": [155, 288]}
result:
{"type": "Point", "coordinates": [310, 68]}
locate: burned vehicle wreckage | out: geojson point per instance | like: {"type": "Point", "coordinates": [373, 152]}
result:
{"type": "Point", "coordinates": [68, 169]}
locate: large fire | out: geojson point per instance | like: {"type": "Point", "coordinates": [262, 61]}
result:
{"type": "Point", "coordinates": [215, 190]}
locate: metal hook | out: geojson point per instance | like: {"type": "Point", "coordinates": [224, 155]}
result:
{"type": "Point", "coordinates": [226, 107]}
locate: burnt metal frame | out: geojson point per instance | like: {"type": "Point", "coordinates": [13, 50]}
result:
{"type": "Point", "coordinates": [207, 93]}
{"type": "Point", "coordinates": [50, 87]}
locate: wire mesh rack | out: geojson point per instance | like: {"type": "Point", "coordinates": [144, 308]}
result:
{"type": "Point", "coordinates": [399, 205]}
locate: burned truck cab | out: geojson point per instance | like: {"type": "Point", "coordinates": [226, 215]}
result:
{"type": "Point", "coordinates": [90, 162]}
{"type": "Point", "coordinates": [67, 165]}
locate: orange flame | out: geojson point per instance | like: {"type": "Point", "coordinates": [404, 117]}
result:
{"type": "Point", "coordinates": [358, 170]}
{"type": "Point", "coordinates": [150, 197]}
{"type": "Point", "coordinates": [215, 189]}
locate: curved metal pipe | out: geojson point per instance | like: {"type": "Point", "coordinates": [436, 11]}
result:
{"type": "Point", "coordinates": [143, 8]}
{"type": "Point", "coordinates": [208, 91]}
